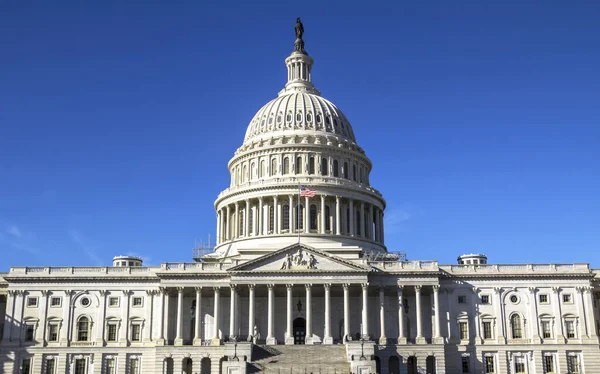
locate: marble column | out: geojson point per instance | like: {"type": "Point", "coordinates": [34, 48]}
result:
{"type": "Point", "coordinates": [260, 221]}
{"type": "Point", "coordinates": [291, 214]}
{"type": "Point", "coordinates": [533, 315]}
{"type": "Point", "coordinates": [276, 216]}
{"type": "Point", "coordinates": [236, 227]}
{"type": "Point", "coordinates": [323, 217]}
{"type": "Point", "coordinates": [232, 307]}
{"type": "Point", "coordinates": [365, 311]}
{"type": "Point", "coordinates": [401, 337]}
{"type": "Point", "coordinates": [216, 340]}
{"type": "Point", "coordinates": [370, 234]}
{"type": "Point", "coordinates": [436, 301]}
{"type": "Point", "coordinates": [500, 333]}
{"type": "Point", "coordinates": [309, 337]}
{"type": "Point", "coordinates": [338, 216]}
{"type": "Point", "coordinates": [360, 228]}
{"type": "Point", "coordinates": [346, 312]}
{"type": "Point", "coordinates": [218, 227]}
{"type": "Point", "coordinates": [179, 329]}
{"type": "Point", "coordinates": [198, 317]}
{"type": "Point", "coordinates": [228, 223]}
{"type": "Point", "coordinates": [251, 323]}
{"type": "Point", "coordinates": [163, 305]}
{"type": "Point", "coordinates": [289, 333]}
{"type": "Point", "coordinates": [271, 303]}
{"type": "Point", "coordinates": [589, 308]}
{"type": "Point", "coordinates": [382, 337]}
{"type": "Point", "coordinates": [420, 339]}
{"type": "Point", "coordinates": [351, 217]}
{"type": "Point", "coordinates": [327, 339]}
{"type": "Point", "coordinates": [246, 227]}
{"type": "Point", "coordinates": [306, 215]}
{"type": "Point", "coordinates": [560, 337]}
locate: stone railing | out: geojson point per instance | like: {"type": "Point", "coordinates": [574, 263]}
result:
{"type": "Point", "coordinates": [80, 270]}
{"type": "Point", "coordinates": [516, 269]}
{"type": "Point", "coordinates": [194, 266]}
{"type": "Point", "coordinates": [405, 265]}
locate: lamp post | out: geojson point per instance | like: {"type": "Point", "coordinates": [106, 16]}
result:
{"type": "Point", "coordinates": [362, 348]}
{"type": "Point", "coordinates": [235, 357]}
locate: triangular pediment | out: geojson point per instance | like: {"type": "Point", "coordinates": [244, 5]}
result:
{"type": "Point", "coordinates": [299, 258]}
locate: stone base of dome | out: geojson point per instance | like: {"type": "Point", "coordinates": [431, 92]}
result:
{"type": "Point", "coordinates": [342, 246]}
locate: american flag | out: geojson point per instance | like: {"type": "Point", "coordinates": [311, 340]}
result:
{"type": "Point", "coordinates": [307, 192]}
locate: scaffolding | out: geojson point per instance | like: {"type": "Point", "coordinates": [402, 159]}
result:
{"type": "Point", "coordinates": [390, 256]}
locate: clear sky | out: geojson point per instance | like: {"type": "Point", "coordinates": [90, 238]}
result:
{"type": "Point", "coordinates": [118, 118]}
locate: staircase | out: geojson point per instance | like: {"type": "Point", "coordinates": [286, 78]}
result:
{"type": "Point", "coordinates": [299, 359]}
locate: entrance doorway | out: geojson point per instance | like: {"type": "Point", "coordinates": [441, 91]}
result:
{"type": "Point", "coordinates": [299, 330]}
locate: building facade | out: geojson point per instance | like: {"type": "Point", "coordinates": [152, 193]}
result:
{"type": "Point", "coordinates": [300, 272]}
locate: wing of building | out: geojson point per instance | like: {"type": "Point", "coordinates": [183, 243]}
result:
{"type": "Point", "coordinates": [300, 281]}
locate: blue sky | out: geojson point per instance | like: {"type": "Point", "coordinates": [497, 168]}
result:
{"type": "Point", "coordinates": [118, 118]}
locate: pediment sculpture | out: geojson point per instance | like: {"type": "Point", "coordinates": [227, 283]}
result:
{"type": "Point", "coordinates": [301, 260]}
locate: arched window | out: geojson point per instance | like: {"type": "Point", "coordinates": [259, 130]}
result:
{"type": "Point", "coordinates": [346, 170]}
{"type": "Point", "coordinates": [286, 165]}
{"type": "Point", "coordinates": [354, 172]}
{"type": "Point", "coordinates": [336, 171]}
{"type": "Point", "coordinates": [245, 174]}
{"type": "Point", "coordinates": [299, 165]}
{"type": "Point", "coordinates": [324, 170]}
{"type": "Point", "coordinates": [253, 170]}
{"type": "Point", "coordinates": [286, 217]}
{"type": "Point", "coordinates": [313, 217]}
{"type": "Point", "coordinates": [300, 217]}
{"type": "Point", "coordinates": [515, 322]}
{"type": "Point", "coordinates": [273, 166]}
{"type": "Point", "coordinates": [83, 329]}
{"type": "Point", "coordinates": [263, 169]}
{"type": "Point", "coordinates": [327, 218]}
{"type": "Point", "coordinates": [357, 224]}
{"type": "Point", "coordinates": [311, 165]}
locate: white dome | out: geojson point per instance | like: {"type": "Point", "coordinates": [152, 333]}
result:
{"type": "Point", "coordinates": [302, 113]}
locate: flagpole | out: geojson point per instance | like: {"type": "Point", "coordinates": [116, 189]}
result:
{"type": "Point", "coordinates": [298, 214]}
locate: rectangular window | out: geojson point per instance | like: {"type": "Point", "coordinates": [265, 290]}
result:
{"type": "Point", "coordinates": [485, 299]}
{"type": "Point", "coordinates": [573, 364]}
{"type": "Point", "coordinates": [543, 299]}
{"type": "Point", "coordinates": [546, 332]}
{"type": "Point", "coordinates": [26, 366]}
{"type": "Point", "coordinates": [55, 302]}
{"type": "Point", "coordinates": [487, 330]}
{"type": "Point", "coordinates": [567, 298]}
{"type": "Point", "coordinates": [135, 332]}
{"type": "Point", "coordinates": [50, 366]}
{"type": "Point", "coordinates": [519, 364]}
{"type": "Point", "coordinates": [134, 366]}
{"type": "Point", "coordinates": [548, 364]}
{"type": "Point", "coordinates": [80, 366]}
{"type": "Point", "coordinates": [137, 301]}
{"type": "Point", "coordinates": [464, 330]}
{"type": "Point", "coordinates": [111, 334]}
{"type": "Point", "coordinates": [113, 301]}
{"type": "Point", "coordinates": [110, 366]}
{"type": "Point", "coordinates": [489, 365]}
{"type": "Point", "coordinates": [29, 331]}
{"type": "Point", "coordinates": [465, 364]}
{"type": "Point", "coordinates": [570, 326]}
{"type": "Point", "coordinates": [32, 302]}
{"type": "Point", "coordinates": [462, 299]}
{"type": "Point", "coordinates": [53, 332]}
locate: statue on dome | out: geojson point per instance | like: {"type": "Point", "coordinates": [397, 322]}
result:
{"type": "Point", "coordinates": [299, 43]}
{"type": "Point", "coordinates": [299, 28]}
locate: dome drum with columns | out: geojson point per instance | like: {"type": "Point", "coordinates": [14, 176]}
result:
{"type": "Point", "coordinates": [299, 139]}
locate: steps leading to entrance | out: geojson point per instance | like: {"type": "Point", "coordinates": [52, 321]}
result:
{"type": "Point", "coordinates": [300, 359]}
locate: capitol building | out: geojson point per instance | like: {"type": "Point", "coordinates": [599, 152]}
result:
{"type": "Point", "coordinates": [300, 281]}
